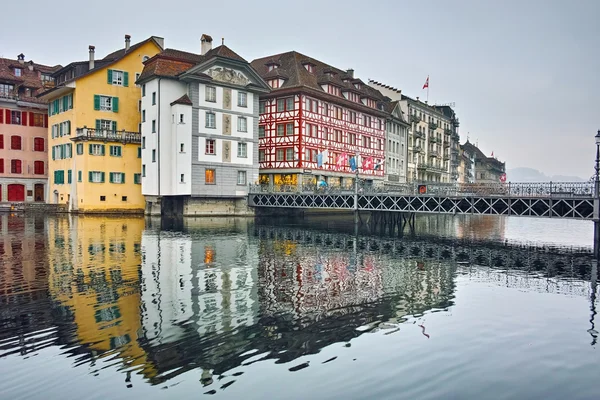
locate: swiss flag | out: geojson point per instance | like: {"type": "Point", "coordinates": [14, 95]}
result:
{"type": "Point", "coordinates": [368, 163]}
{"type": "Point", "coordinates": [426, 85]}
{"type": "Point", "coordinates": [342, 160]}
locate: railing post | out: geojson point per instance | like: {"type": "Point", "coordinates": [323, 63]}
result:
{"type": "Point", "coordinates": [550, 193]}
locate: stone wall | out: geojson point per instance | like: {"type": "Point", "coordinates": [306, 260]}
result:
{"type": "Point", "coordinates": [193, 206]}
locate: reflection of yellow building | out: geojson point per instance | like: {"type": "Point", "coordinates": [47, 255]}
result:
{"type": "Point", "coordinates": [94, 272]}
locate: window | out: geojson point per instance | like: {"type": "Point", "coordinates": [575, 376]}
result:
{"type": "Point", "coordinates": [289, 104]}
{"type": "Point", "coordinates": [18, 71]}
{"type": "Point", "coordinates": [279, 155]}
{"type": "Point", "coordinates": [106, 103]}
{"type": "Point", "coordinates": [38, 144]}
{"type": "Point", "coordinates": [261, 155]}
{"type": "Point", "coordinates": [38, 120]}
{"type": "Point", "coordinates": [105, 125]}
{"type": "Point", "coordinates": [123, 198]}
{"type": "Point", "coordinates": [139, 151]}
{"type": "Point", "coordinates": [115, 151]}
{"type": "Point", "coordinates": [242, 124]}
{"type": "Point", "coordinates": [280, 130]}
{"type": "Point", "coordinates": [289, 154]}
{"type": "Point", "coordinates": [137, 179]}
{"type": "Point", "coordinates": [59, 177]}
{"type": "Point", "coordinates": [242, 99]}
{"type": "Point", "coordinates": [153, 155]}
{"type": "Point", "coordinates": [119, 78]}
{"type": "Point", "coordinates": [261, 131]}
{"type": "Point", "coordinates": [241, 177]}
{"type": "Point", "coordinates": [69, 176]}
{"type": "Point", "coordinates": [210, 176]}
{"type": "Point", "coordinates": [96, 149]}
{"type": "Point", "coordinates": [102, 198]}
{"type": "Point", "coordinates": [181, 118]}
{"type": "Point", "coordinates": [143, 170]}
{"type": "Point", "coordinates": [153, 98]}
{"type": "Point", "coordinates": [242, 150]}
{"type": "Point", "coordinates": [143, 142]}
{"type": "Point", "coordinates": [181, 148]}
{"type": "Point", "coordinates": [143, 90]}
{"type": "Point", "coordinates": [211, 94]}
{"type": "Point", "coordinates": [15, 118]}
{"type": "Point", "coordinates": [182, 178]}
{"type": "Point", "coordinates": [38, 167]}
{"type": "Point", "coordinates": [117, 177]}
{"type": "Point", "coordinates": [289, 129]}
{"type": "Point", "coordinates": [210, 146]}
{"type": "Point", "coordinates": [211, 120]}
{"type": "Point", "coordinates": [143, 115]}
{"type": "Point", "coordinates": [280, 105]}
{"type": "Point", "coordinates": [153, 126]}
{"type": "Point", "coordinates": [15, 167]}
{"type": "Point", "coordinates": [261, 107]}
{"type": "Point", "coordinates": [6, 89]}
{"type": "Point", "coordinates": [96, 176]}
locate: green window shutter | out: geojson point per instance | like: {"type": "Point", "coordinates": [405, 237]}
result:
{"type": "Point", "coordinates": [102, 152]}
{"type": "Point", "coordinates": [97, 124]}
{"type": "Point", "coordinates": [69, 177]}
{"type": "Point", "coordinates": [60, 130]}
{"type": "Point", "coordinates": [55, 103]}
{"type": "Point", "coordinates": [109, 77]}
{"type": "Point", "coordinates": [125, 79]}
{"type": "Point", "coordinates": [79, 174]}
{"type": "Point", "coordinates": [91, 176]}
{"type": "Point", "coordinates": [110, 177]}
{"type": "Point", "coordinates": [53, 155]}
{"type": "Point", "coordinates": [96, 102]}
{"type": "Point", "coordinates": [120, 151]}
{"type": "Point", "coordinates": [115, 104]}
{"type": "Point", "coordinates": [79, 149]}
{"type": "Point", "coordinates": [139, 152]}
{"type": "Point", "coordinates": [71, 101]}
{"type": "Point", "coordinates": [90, 149]}
{"type": "Point", "coordinates": [122, 177]}
{"type": "Point", "coordinates": [114, 126]}
{"type": "Point", "coordinates": [65, 101]}
{"type": "Point", "coordinates": [102, 178]}
{"type": "Point", "coordinates": [69, 128]}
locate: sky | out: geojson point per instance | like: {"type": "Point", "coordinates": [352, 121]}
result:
{"type": "Point", "coordinates": [523, 75]}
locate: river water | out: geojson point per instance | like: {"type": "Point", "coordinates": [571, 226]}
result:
{"type": "Point", "coordinates": [463, 307]}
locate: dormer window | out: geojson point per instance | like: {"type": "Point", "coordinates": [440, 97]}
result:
{"type": "Point", "coordinates": [271, 67]}
{"type": "Point", "coordinates": [18, 71]}
{"type": "Point", "coordinates": [357, 85]}
{"type": "Point", "coordinates": [310, 67]}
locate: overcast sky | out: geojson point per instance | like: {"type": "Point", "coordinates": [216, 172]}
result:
{"type": "Point", "coordinates": [524, 75]}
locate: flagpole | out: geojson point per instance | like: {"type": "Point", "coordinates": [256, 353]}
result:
{"type": "Point", "coordinates": [427, 89]}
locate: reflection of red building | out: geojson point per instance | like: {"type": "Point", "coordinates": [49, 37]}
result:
{"type": "Point", "coordinates": [315, 107]}
{"type": "Point", "coordinates": [481, 227]}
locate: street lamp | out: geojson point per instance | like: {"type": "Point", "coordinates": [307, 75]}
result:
{"type": "Point", "coordinates": [597, 167]}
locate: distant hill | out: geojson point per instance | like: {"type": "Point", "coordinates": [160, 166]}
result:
{"type": "Point", "coordinates": [523, 174]}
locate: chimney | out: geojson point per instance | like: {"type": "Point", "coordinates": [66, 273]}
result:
{"type": "Point", "coordinates": [350, 73]}
{"type": "Point", "coordinates": [30, 66]}
{"type": "Point", "coordinates": [21, 58]}
{"type": "Point", "coordinates": [127, 42]}
{"type": "Point", "coordinates": [205, 44]}
{"type": "Point", "coordinates": [92, 51]}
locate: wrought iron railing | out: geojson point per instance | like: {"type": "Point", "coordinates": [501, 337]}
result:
{"type": "Point", "coordinates": [107, 135]}
{"type": "Point", "coordinates": [415, 118]}
{"type": "Point", "coordinates": [507, 189]}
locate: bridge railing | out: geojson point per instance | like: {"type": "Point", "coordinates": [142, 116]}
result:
{"type": "Point", "coordinates": [507, 189]}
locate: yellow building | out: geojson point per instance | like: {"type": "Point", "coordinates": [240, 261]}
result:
{"type": "Point", "coordinates": [94, 276]}
{"type": "Point", "coordinates": [94, 131]}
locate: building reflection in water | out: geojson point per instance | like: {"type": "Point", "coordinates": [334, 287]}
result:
{"type": "Point", "coordinates": [95, 282]}
{"type": "Point", "coordinates": [162, 297]}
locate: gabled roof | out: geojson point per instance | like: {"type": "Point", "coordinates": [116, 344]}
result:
{"type": "Point", "coordinates": [30, 79]}
{"type": "Point", "coordinates": [176, 64]}
{"type": "Point", "coordinates": [185, 100]}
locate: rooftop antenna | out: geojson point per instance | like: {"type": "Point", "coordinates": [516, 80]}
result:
{"type": "Point", "coordinates": [222, 41]}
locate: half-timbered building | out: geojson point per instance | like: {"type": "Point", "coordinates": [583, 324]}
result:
{"type": "Point", "coordinates": [315, 120]}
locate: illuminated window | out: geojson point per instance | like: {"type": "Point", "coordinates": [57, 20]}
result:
{"type": "Point", "coordinates": [210, 176]}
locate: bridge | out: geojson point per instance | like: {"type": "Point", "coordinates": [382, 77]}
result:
{"type": "Point", "coordinates": [574, 200]}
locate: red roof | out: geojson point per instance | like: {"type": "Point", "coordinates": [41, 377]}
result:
{"type": "Point", "coordinates": [29, 83]}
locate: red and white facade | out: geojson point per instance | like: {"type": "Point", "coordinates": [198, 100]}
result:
{"type": "Point", "coordinates": [296, 124]}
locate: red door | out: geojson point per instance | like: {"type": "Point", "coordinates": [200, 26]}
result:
{"type": "Point", "coordinates": [16, 192]}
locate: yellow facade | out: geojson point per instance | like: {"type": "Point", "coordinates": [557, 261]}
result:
{"type": "Point", "coordinates": [90, 187]}
{"type": "Point", "coordinates": [94, 275]}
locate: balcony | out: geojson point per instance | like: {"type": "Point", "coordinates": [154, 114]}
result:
{"type": "Point", "coordinates": [433, 126]}
{"type": "Point", "coordinates": [446, 144]}
{"type": "Point", "coordinates": [415, 119]}
{"type": "Point", "coordinates": [433, 153]}
{"type": "Point", "coordinates": [455, 151]}
{"type": "Point", "coordinates": [433, 139]}
{"type": "Point", "coordinates": [417, 149]}
{"type": "Point", "coordinates": [446, 156]}
{"type": "Point", "coordinates": [419, 134]}
{"type": "Point", "coordinates": [447, 131]}
{"type": "Point", "coordinates": [107, 135]}
{"type": "Point", "coordinates": [455, 137]}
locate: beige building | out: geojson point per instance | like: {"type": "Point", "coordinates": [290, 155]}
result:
{"type": "Point", "coordinates": [486, 169]}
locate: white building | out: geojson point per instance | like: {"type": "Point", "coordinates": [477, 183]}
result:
{"type": "Point", "coordinates": [199, 131]}
{"type": "Point", "coordinates": [396, 132]}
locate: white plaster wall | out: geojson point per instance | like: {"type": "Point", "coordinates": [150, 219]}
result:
{"type": "Point", "coordinates": [181, 161]}
{"type": "Point", "coordinates": [150, 181]}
